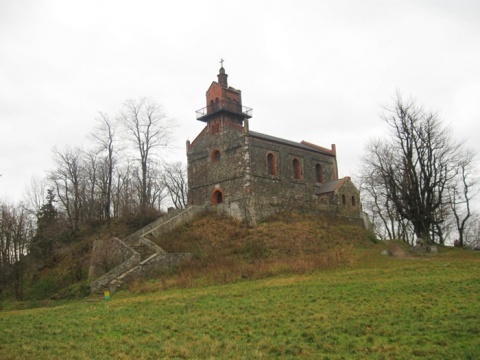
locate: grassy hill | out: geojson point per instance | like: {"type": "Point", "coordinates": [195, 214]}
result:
{"type": "Point", "coordinates": [225, 250]}
{"type": "Point", "coordinates": [296, 286]}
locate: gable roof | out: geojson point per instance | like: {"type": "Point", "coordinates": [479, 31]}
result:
{"type": "Point", "coordinates": [331, 186]}
{"type": "Point", "coordinates": [215, 83]}
{"type": "Point", "coordinates": [301, 145]}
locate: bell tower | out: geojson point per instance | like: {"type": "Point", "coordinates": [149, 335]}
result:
{"type": "Point", "coordinates": [224, 103]}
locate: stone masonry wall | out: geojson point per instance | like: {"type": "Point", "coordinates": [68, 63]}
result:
{"type": "Point", "coordinates": [103, 281]}
{"type": "Point", "coordinates": [206, 174]}
{"type": "Point", "coordinates": [351, 206]}
{"type": "Point", "coordinates": [106, 255]}
{"type": "Point", "coordinates": [148, 269]}
{"type": "Point", "coordinates": [282, 191]}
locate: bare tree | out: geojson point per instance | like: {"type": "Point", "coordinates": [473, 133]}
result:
{"type": "Point", "coordinates": [415, 165]}
{"type": "Point", "coordinates": [175, 179]}
{"type": "Point", "coordinates": [16, 231]}
{"type": "Point", "coordinates": [104, 137]}
{"type": "Point", "coordinates": [157, 188]}
{"type": "Point", "coordinates": [148, 129]}
{"type": "Point", "coordinates": [123, 199]}
{"type": "Point", "coordinates": [461, 193]}
{"type": "Point", "coordinates": [35, 194]}
{"type": "Point", "coordinates": [472, 233]}
{"type": "Point", "coordinates": [67, 180]}
{"type": "Point", "coordinates": [388, 224]}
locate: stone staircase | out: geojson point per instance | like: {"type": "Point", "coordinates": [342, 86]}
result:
{"type": "Point", "coordinates": [144, 251]}
{"type": "Point", "coordinates": [147, 259]}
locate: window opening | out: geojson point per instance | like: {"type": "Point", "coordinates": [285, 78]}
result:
{"type": "Point", "coordinates": [216, 155]}
{"type": "Point", "coordinates": [271, 164]}
{"type": "Point", "coordinates": [297, 174]}
{"type": "Point", "coordinates": [319, 173]}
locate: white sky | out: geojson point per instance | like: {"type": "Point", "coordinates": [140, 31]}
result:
{"type": "Point", "coordinates": [314, 70]}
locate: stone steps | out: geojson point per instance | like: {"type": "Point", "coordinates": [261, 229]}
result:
{"type": "Point", "coordinates": [143, 250]}
{"type": "Point", "coordinates": [142, 243]}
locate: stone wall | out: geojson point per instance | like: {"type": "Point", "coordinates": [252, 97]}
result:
{"type": "Point", "coordinates": [282, 191]}
{"type": "Point", "coordinates": [348, 199]}
{"type": "Point", "coordinates": [180, 218]}
{"type": "Point", "coordinates": [104, 281]}
{"type": "Point", "coordinates": [129, 260]}
{"type": "Point", "coordinates": [106, 255]}
{"type": "Point", "coordinates": [147, 269]}
{"type": "Point", "coordinates": [226, 174]}
{"type": "Point", "coordinates": [168, 221]}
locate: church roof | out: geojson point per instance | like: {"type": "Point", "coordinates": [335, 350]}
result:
{"type": "Point", "coordinates": [230, 88]}
{"type": "Point", "coordinates": [331, 186]}
{"type": "Point", "coordinates": [302, 145]}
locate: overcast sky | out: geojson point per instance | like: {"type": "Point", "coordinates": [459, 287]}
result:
{"type": "Point", "coordinates": [319, 71]}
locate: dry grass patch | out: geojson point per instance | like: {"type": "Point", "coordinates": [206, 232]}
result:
{"type": "Point", "coordinates": [225, 250]}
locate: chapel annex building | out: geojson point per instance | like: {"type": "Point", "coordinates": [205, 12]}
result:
{"type": "Point", "coordinates": [250, 175]}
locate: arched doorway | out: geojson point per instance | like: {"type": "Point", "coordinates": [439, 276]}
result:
{"type": "Point", "coordinates": [217, 197]}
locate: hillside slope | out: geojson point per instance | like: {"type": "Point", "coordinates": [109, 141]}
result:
{"type": "Point", "coordinates": [378, 307]}
{"type": "Point", "coordinates": [225, 250]}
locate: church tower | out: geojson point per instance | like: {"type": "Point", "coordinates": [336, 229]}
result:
{"type": "Point", "coordinates": [250, 175]}
{"type": "Point", "coordinates": [224, 103]}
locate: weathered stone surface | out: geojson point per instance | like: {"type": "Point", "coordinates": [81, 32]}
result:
{"type": "Point", "coordinates": [106, 255]}
{"type": "Point", "coordinates": [255, 175]}
{"type": "Point", "coordinates": [155, 258]}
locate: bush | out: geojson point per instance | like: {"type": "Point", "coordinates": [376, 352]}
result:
{"type": "Point", "coordinates": [42, 289]}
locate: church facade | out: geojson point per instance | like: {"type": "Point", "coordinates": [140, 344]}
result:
{"type": "Point", "coordinates": [250, 175]}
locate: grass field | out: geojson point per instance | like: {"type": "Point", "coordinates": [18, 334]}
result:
{"type": "Point", "coordinates": [377, 308]}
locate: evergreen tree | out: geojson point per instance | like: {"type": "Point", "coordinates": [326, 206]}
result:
{"type": "Point", "coordinates": [46, 234]}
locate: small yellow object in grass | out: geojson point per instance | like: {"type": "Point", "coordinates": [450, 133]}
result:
{"type": "Point", "coordinates": [106, 295]}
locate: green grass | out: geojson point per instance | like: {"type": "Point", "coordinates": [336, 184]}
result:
{"type": "Point", "coordinates": [377, 308]}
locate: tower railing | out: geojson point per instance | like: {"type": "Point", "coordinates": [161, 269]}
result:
{"type": "Point", "coordinates": [224, 105]}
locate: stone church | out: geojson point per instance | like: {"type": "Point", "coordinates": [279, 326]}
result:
{"type": "Point", "coordinates": [250, 175]}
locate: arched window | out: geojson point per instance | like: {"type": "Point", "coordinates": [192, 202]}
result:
{"type": "Point", "coordinates": [217, 197]}
{"type": "Point", "coordinates": [211, 107]}
{"type": "Point", "coordinates": [297, 171]}
{"type": "Point", "coordinates": [344, 200]}
{"type": "Point", "coordinates": [216, 104]}
{"type": "Point", "coordinates": [215, 157]}
{"type": "Point", "coordinates": [217, 128]}
{"type": "Point", "coordinates": [271, 164]}
{"type": "Point", "coordinates": [212, 129]}
{"type": "Point", "coordinates": [353, 200]}
{"type": "Point", "coordinates": [319, 173]}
